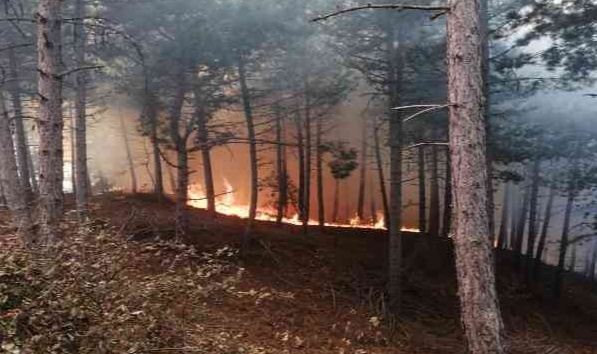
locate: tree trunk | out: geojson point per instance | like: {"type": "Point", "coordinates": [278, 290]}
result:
{"type": "Point", "coordinates": [158, 179]}
{"type": "Point", "coordinates": [572, 263]}
{"type": "Point", "coordinates": [280, 175]}
{"type": "Point", "coordinates": [319, 166]}
{"type": "Point", "coordinates": [480, 311]}
{"type": "Point", "coordinates": [566, 229]}
{"type": "Point", "coordinates": [248, 110]}
{"type": "Point", "coordinates": [395, 235]}
{"type": "Point", "coordinates": [180, 142]}
{"type": "Point", "coordinates": [532, 220]}
{"type": "Point", "coordinates": [362, 173]}
{"type": "Point", "coordinates": [521, 224]}
{"type": "Point", "coordinates": [447, 222]}
{"type": "Point", "coordinates": [544, 229]}
{"type": "Point", "coordinates": [593, 263]}
{"type": "Point", "coordinates": [34, 185]}
{"type": "Point", "coordinates": [129, 155]}
{"type": "Point", "coordinates": [336, 199]}
{"type": "Point", "coordinates": [422, 190]}
{"type": "Point", "coordinates": [503, 235]}
{"type": "Point", "coordinates": [81, 112]}
{"type": "Point", "coordinates": [301, 164]}
{"type": "Point", "coordinates": [73, 152]}
{"type": "Point", "coordinates": [307, 198]}
{"type": "Point", "coordinates": [49, 44]}
{"type": "Point", "coordinates": [12, 189]}
{"type": "Point", "coordinates": [202, 136]}
{"type": "Point", "coordinates": [434, 213]}
{"type": "Point", "coordinates": [381, 178]}
{"type": "Point", "coordinates": [20, 134]}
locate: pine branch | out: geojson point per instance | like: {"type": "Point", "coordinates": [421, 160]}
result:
{"type": "Point", "coordinates": [399, 7]}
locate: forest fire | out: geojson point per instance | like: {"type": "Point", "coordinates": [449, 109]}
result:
{"type": "Point", "coordinates": [226, 204]}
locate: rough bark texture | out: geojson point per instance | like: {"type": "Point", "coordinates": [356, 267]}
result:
{"type": "Point", "coordinates": [129, 155]}
{"type": "Point", "coordinates": [182, 166]}
{"type": "Point", "coordinates": [434, 213]}
{"type": "Point", "coordinates": [422, 189]}
{"type": "Point", "coordinates": [158, 179]}
{"type": "Point", "coordinates": [12, 189]}
{"type": "Point", "coordinates": [202, 137]}
{"type": "Point", "coordinates": [248, 110]}
{"type": "Point", "coordinates": [81, 112]}
{"type": "Point", "coordinates": [381, 178]}
{"type": "Point", "coordinates": [447, 222]}
{"type": "Point", "coordinates": [480, 311]}
{"type": "Point", "coordinates": [362, 173]}
{"type": "Point", "coordinates": [395, 222]}
{"type": "Point", "coordinates": [20, 134]}
{"type": "Point", "coordinates": [49, 44]}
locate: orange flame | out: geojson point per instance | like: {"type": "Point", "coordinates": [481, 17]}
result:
{"type": "Point", "coordinates": [227, 205]}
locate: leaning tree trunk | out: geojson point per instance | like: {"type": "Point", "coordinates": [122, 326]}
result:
{"type": "Point", "coordinates": [202, 137]}
{"type": "Point", "coordinates": [447, 219]}
{"type": "Point", "coordinates": [49, 46]}
{"type": "Point", "coordinates": [422, 189]}
{"type": "Point", "coordinates": [503, 235]}
{"type": "Point", "coordinates": [80, 110]}
{"type": "Point", "coordinates": [248, 110]}
{"type": "Point", "coordinates": [362, 173]}
{"type": "Point", "coordinates": [434, 213]}
{"type": "Point", "coordinates": [20, 134]}
{"type": "Point", "coordinates": [480, 310]}
{"type": "Point", "coordinates": [129, 155]}
{"type": "Point", "coordinates": [532, 220]}
{"type": "Point", "coordinates": [319, 166]}
{"type": "Point", "coordinates": [396, 134]}
{"type": "Point", "coordinates": [544, 229]}
{"type": "Point", "coordinates": [381, 178]}
{"type": "Point", "coordinates": [12, 188]}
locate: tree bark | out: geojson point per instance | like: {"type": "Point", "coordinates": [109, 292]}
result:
{"type": "Point", "coordinates": [566, 228]}
{"type": "Point", "coordinates": [503, 235]}
{"type": "Point", "coordinates": [20, 133]}
{"type": "Point", "coordinates": [381, 178]}
{"type": "Point", "coordinates": [307, 167]}
{"type": "Point", "coordinates": [544, 229]}
{"type": "Point", "coordinates": [182, 167]}
{"type": "Point", "coordinates": [12, 189]}
{"type": "Point", "coordinates": [434, 213]}
{"type": "Point", "coordinates": [248, 110]}
{"type": "Point", "coordinates": [480, 311]}
{"type": "Point", "coordinates": [447, 222]}
{"type": "Point", "coordinates": [422, 189]}
{"type": "Point", "coordinates": [49, 44]}
{"type": "Point", "coordinates": [593, 262]}
{"type": "Point", "coordinates": [319, 166]}
{"type": "Point", "coordinates": [81, 113]}
{"type": "Point", "coordinates": [280, 173]}
{"type": "Point", "coordinates": [532, 219]}
{"type": "Point", "coordinates": [158, 179]}
{"type": "Point", "coordinates": [129, 155]}
{"type": "Point", "coordinates": [301, 164]}
{"type": "Point", "coordinates": [336, 199]}
{"type": "Point", "coordinates": [521, 224]}
{"type": "Point", "coordinates": [202, 136]}
{"type": "Point", "coordinates": [362, 173]}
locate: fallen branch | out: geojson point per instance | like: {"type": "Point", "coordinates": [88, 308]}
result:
{"type": "Point", "coordinates": [398, 7]}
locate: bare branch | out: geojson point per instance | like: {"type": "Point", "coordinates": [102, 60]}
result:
{"type": "Point", "coordinates": [398, 7]}
{"type": "Point", "coordinates": [424, 144]}
{"type": "Point", "coordinates": [431, 109]}
{"type": "Point", "coordinates": [72, 71]}
{"type": "Point", "coordinates": [420, 106]}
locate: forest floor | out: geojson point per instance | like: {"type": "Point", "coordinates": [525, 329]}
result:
{"type": "Point", "coordinates": [320, 293]}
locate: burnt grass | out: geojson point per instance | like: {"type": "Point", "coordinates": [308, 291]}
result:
{"type": "Point", "coordinates": [337, 278]}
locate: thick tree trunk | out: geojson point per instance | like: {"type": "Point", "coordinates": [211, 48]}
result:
{"type": "Point", "coordinates": [81, 112]}
{"type": "Point", "coordinates": [307, 198]}
{"type": "Point", "coordinates": [362, 173]}
{"type": "Point", "coordinates": [395, 235]}
{"type": "Point", "coordinates": [158, 179]}
{"type": "Point", "coordinates": [532, 220]}
{"type": "Point", "coordinates": [447, 222]}
{"type": "Point", "coordinates": [202, 136]}
{"type": "Point", "coordinates": [20, 134]}
{"type": "Point", "coordinates": [480, 311]}
{"type": "Point", "coordinates": [129, 155]}
{"type": "Point", "coordinates": [434, 213]}
{"type": "Point", "coordinates": [565, 231]}
{"type": "Point", "coordinates": [182, 168]}
{"type": "Point", "coordinates": [248, 110]}
{"type": "Point", "coordinates": [503, 235]}
{"type": "Point", "coordinates": [49, 44]}
{"type": "Point", "coordinates": [12, 189]}
{"type": "Point", "coordinates": [381, 178]}
{"type": "Point", "coordinates": [422, 189]}
{"type": "Point", "coordinates": [319, 166]}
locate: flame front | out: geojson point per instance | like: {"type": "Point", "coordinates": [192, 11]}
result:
{"type": "Point", "coordinates": [227, 205]}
